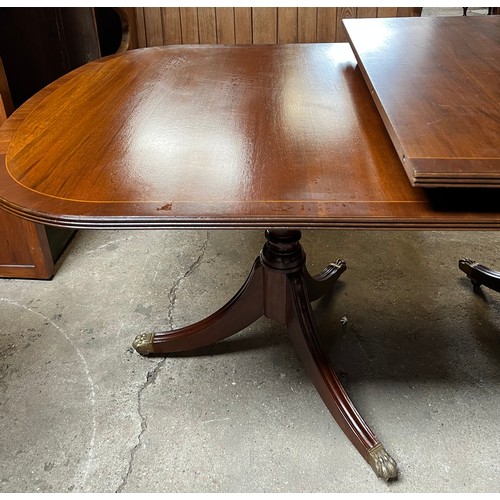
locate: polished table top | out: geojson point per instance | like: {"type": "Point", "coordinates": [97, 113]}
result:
{"type": "Point", "coordinates": [436, 83]}
{"type": "Point", "coordinates": [204, 136]}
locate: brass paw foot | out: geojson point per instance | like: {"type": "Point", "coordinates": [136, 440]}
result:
{"type": "Point", "coordinates": [382, 463]}
{"type": "Point", "coordinates": [339, 263]}
{"type": "Point", "coordinates": [469, 262]}
{"type": "Point", "coordinates": [467, 266]}
{"type": "Point", "coordinates": [143, 343]}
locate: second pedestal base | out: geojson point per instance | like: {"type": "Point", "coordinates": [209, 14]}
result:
{"type": "Point", "coordinates": [480, 275]}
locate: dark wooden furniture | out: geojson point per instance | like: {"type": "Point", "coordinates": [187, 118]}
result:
{"type": "Point", "coordinates": [278, 137]}
{"type": "Point", "coordinates": [39, 45]}
{"type": "Point", "coordinates": [435, 81]}
{"type": "Point", "coordinates": [436, 84]}
{"type": "Point", "coordinates": [27, 249]}
{"type": "Point", "coordinates": [7, 104]}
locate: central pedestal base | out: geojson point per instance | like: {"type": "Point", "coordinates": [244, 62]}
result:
{"type": "Point", "coordinates": [280, 288]}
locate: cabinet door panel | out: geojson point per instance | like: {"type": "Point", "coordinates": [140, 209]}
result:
{"type": "Point", "coordinates": [24, 249]}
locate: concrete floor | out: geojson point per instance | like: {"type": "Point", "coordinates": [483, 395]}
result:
{"type": "Point", "coordinates": [419, 355]}
{"type": "Point", "coordinates": [453, 11]}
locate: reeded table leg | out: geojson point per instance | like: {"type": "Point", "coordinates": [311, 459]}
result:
{"type": "Point", "coordinates": [304, 333]}
{"type": "Point", "coordinates": [319, 284]}
{"type": "Point", "coordinates": [280, 288]}
{"type": "Point", "coordinates": [480, 275]}
{"type": "Point", "coordinates": [241, 311]}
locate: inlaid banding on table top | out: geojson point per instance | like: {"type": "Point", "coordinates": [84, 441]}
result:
{"type": "Point", "coordinates": [168, 205]}
{"type": "Point", "coordinates": [237, 125]}
{"type": "Point", "coordinates": [238, 136]}
{"type": "Point", "coordinates": [438, 93]}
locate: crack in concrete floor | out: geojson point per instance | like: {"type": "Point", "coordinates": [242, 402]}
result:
{"type": "Point", "coordinates": [152, 375]}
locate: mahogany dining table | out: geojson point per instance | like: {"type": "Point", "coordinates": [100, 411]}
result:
{"type": "Point", "coordinates": [273, 137]}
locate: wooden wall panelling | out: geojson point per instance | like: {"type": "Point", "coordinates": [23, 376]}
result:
{"type": "Point", "coordinates": [247, 25]}
{"type": "Point", "coordinates": [189, 25]}
{"type": "Point", "coordinates": [140, 27]}
{"type": "Point", "coordinates": [225, 25]}
{"type": "Point", "coordinates": [387, 11]}
{"type": "Point", "coordinates": [287, 25]}
{"type": "Point", "coordinates": [307, 24]}
{"type": "Point", "coordinates": [171, 24]}
{"type": "Point", "coordinates": [265, 24]}
{"type": "Point", "coordinates": [243, 25]}
{"type": "Point", "coordinates": [405, 12]}
{"type": "Point", "coordinates": [154, 30]}
{"type": "Point", "coordinates": [326, 30]}
{"type": "Point", "coordinates": [367, 12]}
{"type": "Point", "coordinates": [344, 13]}
{"type": "Point", "coordinates": [207, 28]}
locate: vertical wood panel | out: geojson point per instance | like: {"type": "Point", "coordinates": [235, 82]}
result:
{"type": "Point", "coordinates": [367, 12]}
{"type": "Point", "coordinates": [243, 25]}
{"type": "Point", "coordinates": [344, 13]}
{"type": "Point", "coordinates": [206, 25]}
{"type": "Point", "coordinates": [152, 21]}
{"type": "Point", "coordinates": [265, 24]}
{"type": "Point", "coordinates": [225, 25]}
{"type": "Point", "coordinates": [405, 12]}
{"type": "Point", "coordinates": [307, 23]}
{"type": "Point", "coordinates": [387, 11]}
{"type": "Point", "coordinates": [189, 25]}
{"type": "Point", "coordinates": [171, 23]}
{"type": "Point", "coordinates": [327, 24]}
{"type": "Point", "coordinates": [246, 25]}
{"type": "Point", "coordinates": [141, 28]}
{"type": "Point", "coordinates": [287, 25]}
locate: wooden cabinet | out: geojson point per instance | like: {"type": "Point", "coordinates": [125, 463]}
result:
{"type": "Point", "coordinates": [29, 250]}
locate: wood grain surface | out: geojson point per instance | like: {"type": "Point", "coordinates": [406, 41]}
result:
{"type": "Point", "coordinates": [436, 83]}
{"type": "Point", "coordinates": [293, 24]}
{"type": "Point", "coordinates": [246, 137]}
